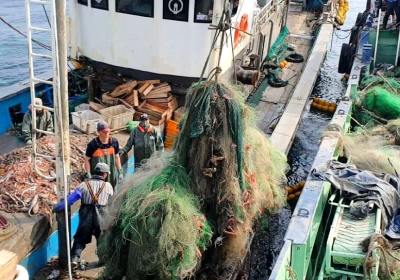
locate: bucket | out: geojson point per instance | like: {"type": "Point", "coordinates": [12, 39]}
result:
{"type": "Point", "coordinates": [366, 53]}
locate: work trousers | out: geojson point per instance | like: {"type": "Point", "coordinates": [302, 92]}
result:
{"type": "Point", "coordinates": [89, 225]}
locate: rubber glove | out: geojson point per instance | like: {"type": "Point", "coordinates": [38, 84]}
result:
{"type": "Point", "coordinates": [120, 175]}
{"type": "Point", "coordinates": [71, 199]}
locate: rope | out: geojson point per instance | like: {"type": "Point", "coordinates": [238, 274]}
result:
{"type": "Point", "coordinates": [33, 40]}
{"type": "Point", "coordinates": [374, 239]}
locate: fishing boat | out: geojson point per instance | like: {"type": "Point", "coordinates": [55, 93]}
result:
{"type": "Point", "coordinates": [259, 36]}
{"type": "Point", "coordinates": [326, 238]}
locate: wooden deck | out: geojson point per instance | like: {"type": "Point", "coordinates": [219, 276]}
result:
{"type": "Point", "coordinates": [274, 100]}
{"type": "Point", "coordinates": [280, 109]}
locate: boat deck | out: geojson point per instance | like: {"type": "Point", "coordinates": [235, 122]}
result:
{"type": "Point", "coordinates": [280, 109]}
{"type": "Point", "coordinates": [274, 100]}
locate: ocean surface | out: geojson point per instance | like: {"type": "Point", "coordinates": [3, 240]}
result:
{"type": "Point", "coordinates": [14, 47]}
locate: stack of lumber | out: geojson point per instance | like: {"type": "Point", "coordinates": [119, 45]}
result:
{"type": "Point", "coordinates": [151, 97]}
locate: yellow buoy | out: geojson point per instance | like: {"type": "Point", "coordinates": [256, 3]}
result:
{"type": "Point", "coordinates": [325, 108]}
{"type": "Point", "coordinates": [302, 184]}
{"type": "Point", "coordinates": [315, 100]}
{"type": "Point", "coordinates": [331, 109]}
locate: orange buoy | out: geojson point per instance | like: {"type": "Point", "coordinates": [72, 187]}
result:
{"type": "Point", "coordinates": [315, 99]}
{"type": "Point", "coordinates": [290, 197]}
{"type": "Point", "coordinates": [242, 26]}
{"type": "Point", "coordinates": [302, 184]}
{"type": "Point", "coordinates": [331, 109]}
{"type": "Point", "coordinates": [297, 194]}
{"type": "Point", "coordinates": [282, 65]}
{"type": "Point", "coordinates": [325, 108]}
{"type": "Point", "coordinates": [314, 105]}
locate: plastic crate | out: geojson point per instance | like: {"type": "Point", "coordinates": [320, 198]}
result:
{"type": "Point", "coordinates": [117, 116]}
{"type": "Point", "coordinates": [82, 107]}
{"type": "Point", "coordinates": [86, 120]}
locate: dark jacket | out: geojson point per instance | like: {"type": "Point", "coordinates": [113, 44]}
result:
{"type": "Point", "coordinates": [145, 143]}
{"type": "Point", "coordinates": [43, 122]}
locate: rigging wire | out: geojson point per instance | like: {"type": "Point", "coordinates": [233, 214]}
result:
{"type": "Point", "coordinates": [48, 20]}
{"type": "Point", "coordinates": [33, 40]}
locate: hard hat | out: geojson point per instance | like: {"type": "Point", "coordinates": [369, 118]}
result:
{"type": "Point", "coordinates": [102, 167]}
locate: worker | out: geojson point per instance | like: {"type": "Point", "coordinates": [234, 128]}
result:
{"type": "Point", "coordinates": [104, 148]}
{"type": "Point", "coordinates": [235, 7]}
{"type": "Point", "coordinates": [94, 198]}
{"type": "Point", "coordinates": [43, 122]}
{"type": "Point", "coordinates": [391, 9]}
{"type": "Point", "coordinates": [145, 139]}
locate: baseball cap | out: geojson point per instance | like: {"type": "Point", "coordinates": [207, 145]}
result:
{"type": "Point", "coordinates": [102, 167]}
{"type": "Point", "coordinates": [103, 126]}
{"type": "Point", "coordinates": [144, 117]}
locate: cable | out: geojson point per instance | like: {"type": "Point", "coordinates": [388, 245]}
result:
{"type": "Point", "coordinates": [48, 20]}
{"type": "Point", "coordinates": [33, 40]}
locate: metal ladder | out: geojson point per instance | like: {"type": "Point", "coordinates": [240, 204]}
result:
{"type": "Point", "coordinates": [33, 80]}
{"type": "Point", "coordinates": [61, 134]}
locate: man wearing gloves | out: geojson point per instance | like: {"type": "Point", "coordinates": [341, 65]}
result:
{"type": "Point", "coordinates": [94, 197]}
{"type": "Point", "coordinates": [104, 148]}
{"type": "Point", "coordinates": [43, 122]}
{"type": "Point", "coordinates": [145, 139]}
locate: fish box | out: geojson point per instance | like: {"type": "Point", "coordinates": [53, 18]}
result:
{"type": "Point", "coordinates": [117, 116]}
{"type": "Point", "coordinates": [86, 120]}
{"type": "Point", "coordinates": [82, 107]}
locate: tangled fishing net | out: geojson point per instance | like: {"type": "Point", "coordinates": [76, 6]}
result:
{"type": "Point", "coordinates": [196, 206]}
{"type": "Point", "coordinates": [369, 148]}
{"type": "Point", "coordinates": [378, 99]}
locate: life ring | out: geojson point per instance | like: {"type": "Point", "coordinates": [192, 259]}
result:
{"type": "Point", "coordinates": [242, 26]}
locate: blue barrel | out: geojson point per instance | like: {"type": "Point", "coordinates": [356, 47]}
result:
{"type": "Point", "coordinates": [366, 53]}
{"type": "Point", "coordinates": [364, 37]}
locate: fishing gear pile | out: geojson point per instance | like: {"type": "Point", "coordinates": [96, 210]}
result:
{"type": "Point", "coordinates": [196, 206]}
{"type": "Point", "coordinates": [378, 99]}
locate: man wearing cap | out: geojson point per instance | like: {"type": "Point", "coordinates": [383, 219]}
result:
{"type": "Point", "coordinates": [104, 148]}
{"type": "Point", "coordinates": [43, 122]}
{"type": "Point", "coordinates": [145, 139]}
{"type": "Point", "coordinates": [95, 194]}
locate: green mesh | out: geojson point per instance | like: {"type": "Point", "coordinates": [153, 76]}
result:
{"type": "Point", "coordinates": [222, 173]}
{"type": "Point", "coordinates": [278, 49]}
{"type": "Point", "coordinates": [378, 99]}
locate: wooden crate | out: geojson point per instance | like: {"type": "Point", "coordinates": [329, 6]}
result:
{"type": "Point", "coordinates": [153, 109]}
{"type": "Point", "coordinates": [8, 265]}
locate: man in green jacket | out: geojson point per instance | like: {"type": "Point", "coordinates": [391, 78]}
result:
{"type": "Point", "coordinates": [43, 122]}
{"type": "Point", "coordinates": [145, 139]}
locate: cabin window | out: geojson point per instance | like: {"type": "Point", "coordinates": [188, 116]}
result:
{"type": "Point", "coordinates": [176, 10]}
{"type": "Point", "coordinates": [144, 8]}
{"type": "Point", "coordinates": [203, 11]}
{"type": "Point", "coordinates": [99, 4]}
{"type": "Point", "coordinates": [83, 2]}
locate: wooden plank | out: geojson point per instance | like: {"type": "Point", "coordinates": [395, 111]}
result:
{"type": "Point", "coordinates": [161, 89]}
{"type": "Point", "coordinates": [143, 87]}
{"type": "Point", "coordinates": [123, 89]}
{"type": "Point", "coordinates": [151, 82]}
{"type": "Point", "coordinates": [135, 98]}
{"type": "Point", "coordinates": [96, 107]}
{"type": "Point", "coordinates": [158, 99]}
{"type": "Point", "coordinates": [8, 265]}
{"type": "Point", "coordinates": [126, 104]}
{"type": "Point", "coordinates": [148, 89]}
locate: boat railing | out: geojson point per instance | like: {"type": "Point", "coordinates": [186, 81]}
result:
{"type": "Point", "coordinates": [263, 16]}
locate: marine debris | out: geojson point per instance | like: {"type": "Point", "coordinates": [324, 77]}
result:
{"type": "Point", "coordinates": [22, 190]}
{"type": "Point", "coordinates": [195, 207]}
